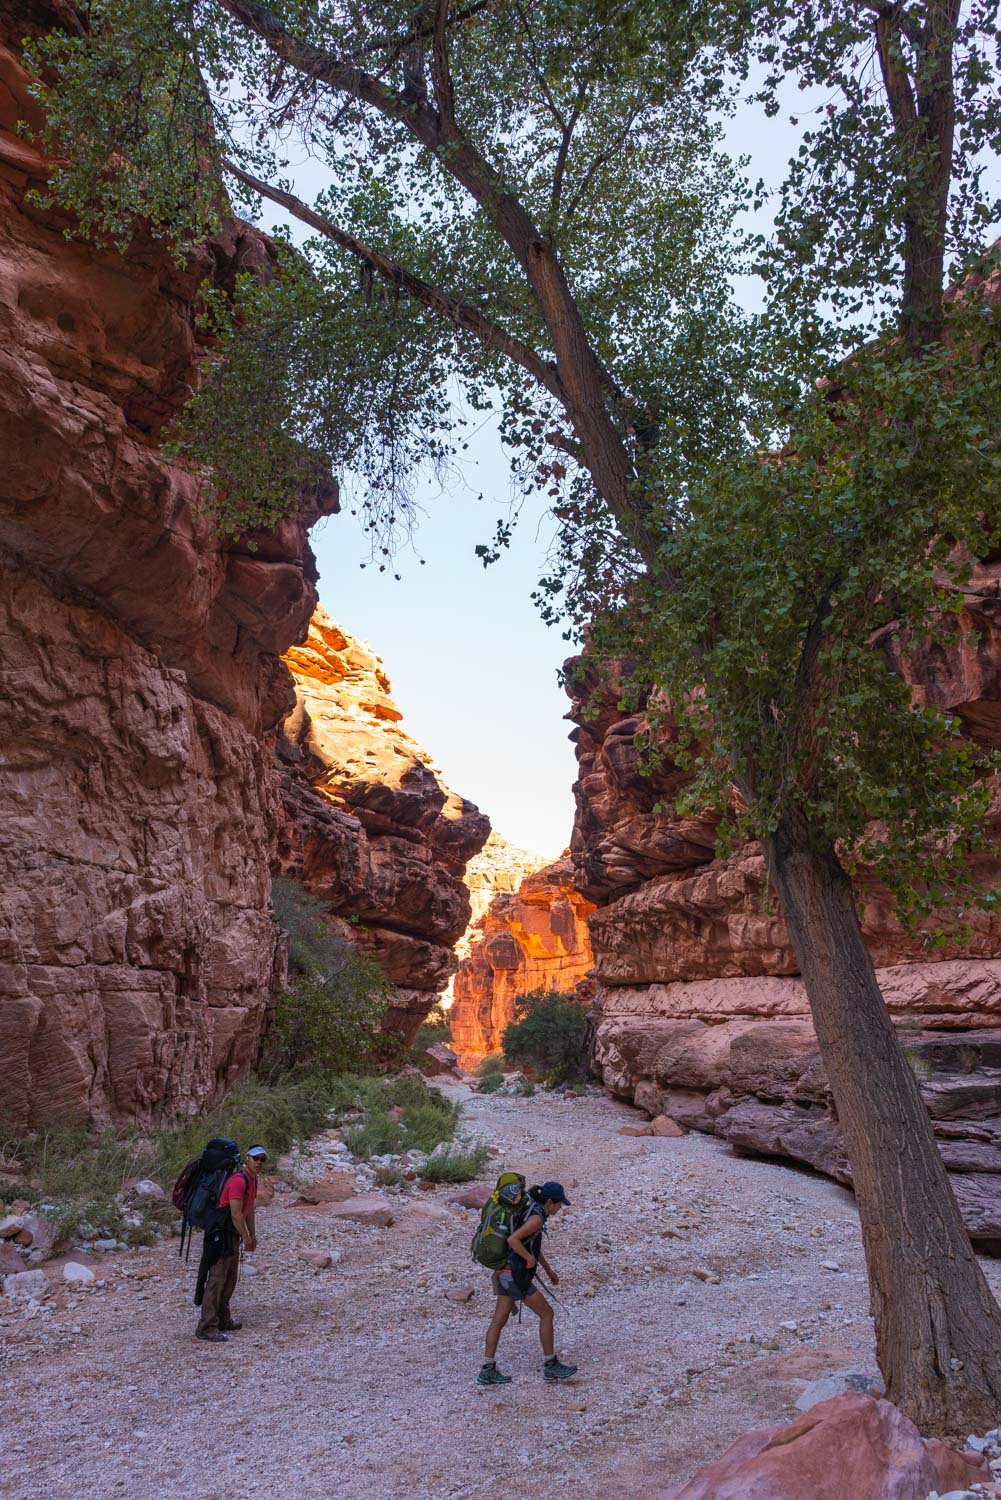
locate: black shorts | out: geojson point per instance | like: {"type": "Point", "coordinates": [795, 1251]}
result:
{"type": "Point", "coordinates": [514, 1287]}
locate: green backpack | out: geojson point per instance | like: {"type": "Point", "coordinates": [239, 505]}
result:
{"type": "Point", "coordinates": [502, 1213]}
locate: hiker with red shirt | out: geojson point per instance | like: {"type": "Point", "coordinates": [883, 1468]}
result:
{"type": "Point", "coordinates": [221, 1252]}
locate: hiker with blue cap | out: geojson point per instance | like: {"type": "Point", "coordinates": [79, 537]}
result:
{"type": "Point", "coordinates": [514, 1284]}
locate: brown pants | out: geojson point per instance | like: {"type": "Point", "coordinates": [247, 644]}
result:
{"type": "Point", "coordinates": [219, 1287]}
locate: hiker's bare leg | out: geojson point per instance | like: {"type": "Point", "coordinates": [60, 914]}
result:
{"type": "Point", "coordinates": [503, 1310]}
{"type": "Point", "coordinates": [544, 1312]}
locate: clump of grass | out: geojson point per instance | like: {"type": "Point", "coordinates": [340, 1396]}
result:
{"type": "Point", "coordinates": [492, 1063]}
{"type": "Point", "coordinates": [83, 1175]}
{"type": "Point", "coordinates": [490, 1083]}
{"type": "Point", "coordinates": [456, 1166]}
{"type": "Point", "coordinates": [426, 1118]}
{"type": "Point", "coordinates": [389, 1176]}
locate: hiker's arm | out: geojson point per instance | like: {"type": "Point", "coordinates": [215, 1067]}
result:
{"type": "Point", "coordinates": [251, 1217]}
{"type": "Point", "coordinates": [240, 1223]}
{"type": "Point", "coordinates": [543, 1262]}
{"type": "Point", "coordinates": [516, 1240]}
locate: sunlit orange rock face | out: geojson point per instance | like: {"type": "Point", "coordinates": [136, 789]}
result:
{"type": "Point", "coordinates": [139, 667]}
{"type": "Point", "coordinates": [701, 1012]}
{"type": "Point", "coordinates": [369, 826]}
{"type": "Point", "coordinates": [533, 938]}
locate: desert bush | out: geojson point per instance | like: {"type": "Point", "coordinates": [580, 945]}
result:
{"type": "Point", "coordinates": [490, 1083]}
{"type": "Point", "coordinates": [548, 1037]}
{"type": "Point", "coordinates": [427, 1118]}
{"type": "Point", "coordinates": [494, 1063]}
{"type": "Point", "coordinates": [456, 1166]}
{"type": "Point", "coordinates": [329, 1017]}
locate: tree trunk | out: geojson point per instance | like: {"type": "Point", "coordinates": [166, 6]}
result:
{"type": "Point", "coordinates": [938, 1327]}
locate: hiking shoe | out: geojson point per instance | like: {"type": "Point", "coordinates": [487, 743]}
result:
{"type": "Point", "coordinates": [230, 1327]}
{"type": "Point", "coordinates": [490, 1375]}
{"type": "Point", "coordinates": [553, 1370]}
{"type": "Point", "coordinates": [212, 1336]}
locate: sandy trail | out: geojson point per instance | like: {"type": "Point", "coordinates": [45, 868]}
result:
{"type": "Point", "coordinates": [359, 1381]}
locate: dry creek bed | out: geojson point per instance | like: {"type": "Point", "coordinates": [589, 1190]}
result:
{"type": "Point", "coordinates": [699, 1305]}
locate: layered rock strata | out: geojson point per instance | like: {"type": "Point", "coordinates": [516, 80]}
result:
{"type": "Point", "coordinates": [700, 1010]}
{"type": "Point", "coordinates": [497, 870]}
{"type": "Point", "coordinates": [530, 939]}
{"type": "Point", "coordinates": [139, 666]}
{"type": "Point", "coordinates": [369, 826]}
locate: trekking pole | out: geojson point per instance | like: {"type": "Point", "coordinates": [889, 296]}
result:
{"type": "Point", "coordinates": [558, 1300]}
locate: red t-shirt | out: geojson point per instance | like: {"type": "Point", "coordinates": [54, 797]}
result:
{"type": "Point", "coordinates": [239, 1186]}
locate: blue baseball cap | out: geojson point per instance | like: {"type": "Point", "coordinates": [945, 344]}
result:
{"type": "Point", "coordinates": [552, 1192]}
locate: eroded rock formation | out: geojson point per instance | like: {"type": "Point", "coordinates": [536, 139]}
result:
{"type": "Point", "coordinates": [497, 870]}
{"type": "Point", "coordinates": [369, 826]}
{"type": "Point", "coordinates": [139, 666]}
{"type": "Point", "coordinates": [701, 1012]}
{"type": "Point", "coordinates": [533, 938]}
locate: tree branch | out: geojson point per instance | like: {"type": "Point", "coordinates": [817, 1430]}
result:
{"type": "Point", "coordinates": [561, 156]}
{"type": "Point", "coordinates": [601, 161]}
{"type": "Point", "coordinates": [489, 333]}
{"type": "Point", "coordinates": [398, 44]}
{"type": "Point", "coordinates": [897, 15]}
{"type": "Point", "coordinates": [441, 74]}
{"type": "Point", "coordinates": [337, 73]}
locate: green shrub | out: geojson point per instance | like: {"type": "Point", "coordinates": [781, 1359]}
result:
{"type": "Point", "coordinates": [494, 1063]}
{"type": "Point", "coordinates": [456, 1166]}
{"type": "Point", "coordinates": [83, 1174]}
{"type": "Point", "coordinates": [376, 1135]}
{"type": "Point", "coordinates": [548, 1037]}
{"type": "Point", "coordinates": [490, 1084]}
{"type": "Point", "coordinates": [427, 1117]}
{"type": "Point", "coordinates": [389, 1176]}
{"type": "Point", "coordinates": [329, 1017]}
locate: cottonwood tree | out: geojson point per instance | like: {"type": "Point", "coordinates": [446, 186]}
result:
{"type": "Point", "coordinates": [531, 198]}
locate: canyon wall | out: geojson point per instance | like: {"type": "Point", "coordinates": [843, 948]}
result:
{"type": "Point", "coordinates": [530, 939]}
{"type": "Point", "coordinates": [700, 1012]}
{"type": "Point", "coordinates": [139, 667]}
{"type": "Point", "coordinates": [369, 826]}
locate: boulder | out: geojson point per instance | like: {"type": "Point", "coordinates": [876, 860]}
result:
{"type": "Point", "coordinates": [10, 1261]}
{"type": "Point", "coordinates": [147, 1188]}
{"type": "Point", "coordinates": [373, 1210]}
{"type": "Point", "coordinates": [460, 1293]}
{"type": "Point", "coordinates": [438, 1059]}
{"type": "Point", "coordinates": [77, 1274]}
{"type": "Point", "coordinates": [853, 1447]}
{"type": "Point", "coordinates": [665, 1127]}
{"type": "Point", "coordinates": [472, 1197]}
{"type": "Point", "coordinates": [25, 1284]}
{"type": "Point", "coordinates": [333, 1188]}
{"type": "Point", "coordinates": [11, 1226]}
{"type": "Point", "coordinates": [321, 1259]}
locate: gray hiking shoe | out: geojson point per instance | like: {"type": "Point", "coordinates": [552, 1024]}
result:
{"type": "Point", "coordinates": [490, 1375]}
{"type": "Point", "coordinates": [553, 1370]}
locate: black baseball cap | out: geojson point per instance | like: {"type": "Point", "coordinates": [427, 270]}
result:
{"type": "Point", "coordinates": [552, 1192]}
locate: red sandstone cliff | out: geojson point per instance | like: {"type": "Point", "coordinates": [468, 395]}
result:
{"type": "Point", "coordinates": [701, 1011]}
{"type": "Point", "coordinates": [533, 938]}
{"type": "Point", "coordinates": [369, 826]}
{"type": "Point", "coordinates": [139, 664]}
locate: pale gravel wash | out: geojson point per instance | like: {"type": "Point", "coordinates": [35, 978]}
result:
{"type": "Point", "coordinates": [361, 1378]}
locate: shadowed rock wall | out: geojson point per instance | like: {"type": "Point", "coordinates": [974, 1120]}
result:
{"type": "Point", "coordinates": [139, 667]}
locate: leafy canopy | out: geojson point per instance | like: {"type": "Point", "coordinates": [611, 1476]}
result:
{"type": "Point", "coordinates": [594, 120]}
{"type": "Point", "coordinates": [533, 202]}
